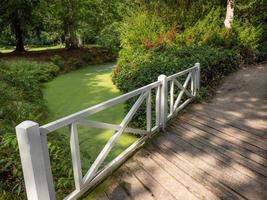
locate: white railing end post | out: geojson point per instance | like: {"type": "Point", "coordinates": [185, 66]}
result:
{"type": "Point", "coordinates": [164, 100]}
{"type": "Point", "coordinates": [35, 161]}
{"type": "Point", "coordinates": [198, 76]}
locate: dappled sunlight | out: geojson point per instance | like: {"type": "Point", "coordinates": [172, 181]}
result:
{"type": "Point", "coordinates": [75, 91]}
{"type": "Point", "coordinates": [216, 151]}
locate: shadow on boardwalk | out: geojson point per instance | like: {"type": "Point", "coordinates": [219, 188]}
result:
{"type": "Point", "coordinates": [218, 150]}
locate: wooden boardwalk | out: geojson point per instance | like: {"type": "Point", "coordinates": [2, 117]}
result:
{"type": "Point", "coordinates": [217, 150]}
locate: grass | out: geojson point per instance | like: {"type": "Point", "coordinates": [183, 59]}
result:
{"type": "Point", "coordinates": [10, 49]}
{"type": "Point", "coordinates": [44, 48]}
{"type": "Point", "coordinates": [78, 90]}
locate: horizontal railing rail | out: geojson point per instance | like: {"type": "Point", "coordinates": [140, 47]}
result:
{"type": "Point", "coordinates": [170, 97]}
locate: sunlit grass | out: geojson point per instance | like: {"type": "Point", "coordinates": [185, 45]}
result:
{"type": "Point", "coordinates": [81, 89]}
{"type": "Point", "coordinates": [10, 49]}
{"type": "Point", "coordinates": [45, 48]}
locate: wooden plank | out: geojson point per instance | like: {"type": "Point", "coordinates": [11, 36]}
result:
{"type": "Point", "coordinates": [201, 176]}
{"type": "Point", "coordinates": [102, 196]}
{"type": "Point", "coordinates": [221, 153]}
{"type": "Point", "coordinates": [217, 115]}
{"type": "Point", "coordinates": [166, 180]}
{"type": "Point", "coordinates": [132, 185]}
{"type": "Point", "coordinates": [115, 191]}
{"type": "Point", "coordinates": [242, 135]}
{"type": "Point", "coordinates": [232, 178]}
{"type": "Point", "coordinates": [149, 182]}
{"type": "Point", "coordinates": [251, 157]}
{"type": "Point", "coordinates": [244, 144]}
{"type": "Point", "coordinates": [192, 185]}
{"type": "Point", "coordinates": [239, 114]}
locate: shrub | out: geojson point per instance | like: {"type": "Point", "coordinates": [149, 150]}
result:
{"type": "Point", "coordinates": [11, 171]}
{"type": "Point", "coordinates": [204, 31]}
{"type": "Point", "coordinates": [75, 63]}
{"type": "Point", "coordinates": [138, 67]}
{"type": "Point", "coordinates": [58, 61]}
{"type": "Point", "coordinates": [140, 29]}
{"type": "Point", "coordinates": [21, 99]}
{"type": "Point", "coordinates": [248, 37]}
{"type": "Point", "coordinates": [242, 37]}
{"type": "Point", "coordinates": [109, 37]}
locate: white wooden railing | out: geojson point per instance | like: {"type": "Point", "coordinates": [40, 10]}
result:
{"type": "Point", "coordinates": [32, 139]}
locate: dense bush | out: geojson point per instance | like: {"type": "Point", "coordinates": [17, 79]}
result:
{"type": "Point", "coordinates": [109, 37]}
{"type": "Point", "coordinates": [243, 37]}
{"type": "Point", "coordinates": [21, 99]}
{"type": "Point", "coordinates": [58, 61]}
{"type": "Point", "coordinates": [137, 68]}
{"type": "Point", "coordinates": [142, 29]}
{"type": "Point", "coordinates": [20, 92]}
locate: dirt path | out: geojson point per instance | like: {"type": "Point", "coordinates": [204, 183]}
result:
{"type": "Point", "coordinates": [218, 150]}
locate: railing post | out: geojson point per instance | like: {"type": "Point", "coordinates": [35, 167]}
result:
{"type": "Point", "coordinates": [198, 76]}
{"type": "Point", "coordinates": [164, 100]}
{"type": "Point", "coordinates": [35, 161]}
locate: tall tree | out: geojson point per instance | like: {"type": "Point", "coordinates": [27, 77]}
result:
{"type": "Point", "coordinates": [17, 15]}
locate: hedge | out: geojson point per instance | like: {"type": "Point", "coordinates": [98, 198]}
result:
{"type": "Point", "coordinates": [137, 67]}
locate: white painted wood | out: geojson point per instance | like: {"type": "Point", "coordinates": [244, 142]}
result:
{"type": "Point", "coordinates": [182, 92]}
{"type": "Point", "coordinates": [50, 127]}
{"type": "Point", "coordinates": [182, 105]}
{"type": "Point", "coordinates": [35, 162]}
{"type": "Point", "coordinates": [193, 82]}
{"type": "Point", "coordinates": [158, 103]}
{"type": "Point", "coordinates": [103, 125]}
{"type": "Point", "coordinates": [75, 154]}
{"type": "Point", "coordinates": [197, 65]}
{"type": "Point", "coordinates": [148, 112]}
{"type": "Point", "coordinates": [103, 154]}
{"type": "Point", "coordinates": [171, 96]}
{"type": "Point", "coordinates": [183, 87]}
{"type": "Point", "coordinates": [164, 100]}
{"type": "Point", "coordinates": [180, 73]}
{"type": "Point", "coordinates": [109, 168]}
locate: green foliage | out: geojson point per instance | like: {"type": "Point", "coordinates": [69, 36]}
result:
{"type": "Point", "coordinates": [58, 61]}
{"type": "Point", "coordinates": [137, 68]}
{"type": "Point", "coordinates": [75, 63]}
{"type": "Point", "coordinates": [20, 91]}
{"type": "Point", "coordinates": [140, 29]}
{"type": "Point", "coordinates": [11, 171]}
{"type": "Point", "coordinates": [21, 99]}
{"type": "Point", "coordinates": [205, 31]}
{"type": "Point", "coordinates": [248, 38]}
{"type": "Point", "coordinates": [109, 37]}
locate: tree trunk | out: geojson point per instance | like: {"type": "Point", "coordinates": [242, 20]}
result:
{"type": "Point", "coordinates": [73, 38]}
{"type": "Point", "coordinates": [229, 14]}
{"type": "Point", "coordinates": [71, 41]}
{"type": "Point", "coordinates": [18, 34]}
